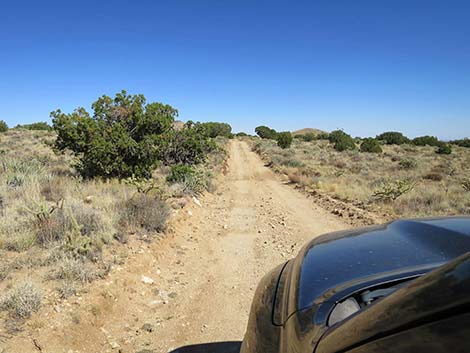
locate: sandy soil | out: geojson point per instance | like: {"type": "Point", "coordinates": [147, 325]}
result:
{"type": "Point", "coordinates": [204, 273]}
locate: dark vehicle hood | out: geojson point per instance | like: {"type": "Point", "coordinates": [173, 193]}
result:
{"type": "Point", "coordinates": [339, 260]}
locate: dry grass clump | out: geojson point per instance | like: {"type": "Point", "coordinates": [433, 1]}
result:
{"type": "Point", "coordinates": [439, 181]}
{"type": "Point", "coordinates": [144, 211]}
{"type": "Point", "coordinates": [22, 300]}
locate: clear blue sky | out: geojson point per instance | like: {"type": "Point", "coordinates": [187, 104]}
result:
{"type": "Point", "coordinates": [364, 66]}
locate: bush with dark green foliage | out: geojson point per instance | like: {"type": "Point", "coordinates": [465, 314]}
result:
{"type": "Point", "coordinates": [214, 129]}
{"type": "Point", "coordinates": [462, 143]}
{"type": "Point", "coordinates": [266, 133]}
{"type": "Point", "coordinates": [41, 125]}
{"type": "Point", "coordinates": [3, 126]}
{"type": "Point", "coordinates": [308, 137]}
{"type": "Point", "coordinates": [323, 136]}
{"type": "Point", "coordinates": [186, 146]}
{"type": "Point", "coordinates": [341, 140]}
{"type": "Point", "coordinates": [120, 139]}
{"type": "Point", "coordinates": [179, 173]}
{"type": "Point", "coordinates": [241, 134]}
{"type": "Point", "coordinates": [444, 149]}
{"type": "Point", "coordinates": [426, 140]}
{"type": "Point", "coordinates": [284, 139]}
{"type": "Point", "coordinates": [371, 145]}
{"type": "Point", "coordinates": [393, 138]}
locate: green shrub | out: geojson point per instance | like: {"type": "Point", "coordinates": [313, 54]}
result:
{"type": "Point", "coordinates": [266, 132]}
{"type": "Point", "coordinates": [119, 140]}
{"type": "Point", "coordinates": [444, 149]}
{"type": "Point", "coordinates": [144, 211]}
{"type": "Point", "coordinates": [179, 173]}
{"type": "Point", "coordinates": [342, 141]}
{"type": "Point", "coordinates": [308, 137]}
{"type": "Point", "coordinates": [462, 143]}
{"type": "Point", "coordinates": [186, 146]}
{"type": "Point", "coordinates": [41, 125]}
{"type": "Point", "coordinates": [3, 126]}
{"type": "Point", "coordinates": [284, 139]}
{"type": "Point", "coordinates": [214, 129]}
{"type": "Point", "coordinates": [425, 140]}
{"type": "Point", "coordinates": [393, 138]}
{"type": "Point", "coordinates": [371, 145]}
{"type": "Point", "coordinates": [323, 136]}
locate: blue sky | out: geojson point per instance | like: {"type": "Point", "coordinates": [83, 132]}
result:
{"type": "Point", "coordinates": [364, 66]}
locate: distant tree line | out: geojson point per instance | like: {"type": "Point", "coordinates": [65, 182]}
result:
{"type": "Point", "coordinates": [343, 142]}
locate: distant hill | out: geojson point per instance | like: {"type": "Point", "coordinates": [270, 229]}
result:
{"type": "Point", "coordinates": [178, 125]}
{"type": "Point", "coordinates": [308, 130]}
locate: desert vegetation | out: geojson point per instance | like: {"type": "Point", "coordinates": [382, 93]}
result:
{"type": "Point", "coordinates": [389, 174]}
{"type": "Point", "coordinates": [74, 195]}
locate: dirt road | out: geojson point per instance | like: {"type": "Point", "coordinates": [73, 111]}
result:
{"type": "Point", "coordinates": [204, 273]}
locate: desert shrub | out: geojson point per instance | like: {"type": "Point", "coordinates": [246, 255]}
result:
{"type": "Point", "coordinates": [393, 138]}
{"type": "Point", "coordinates": [433, 176]}
{"type": "Point", "coordinates": [323, 136]}
{"type": "Point", "coordinates": [371, 145]}
{"type": "Point", "coordinates": [444, 149]}
{"type": "Point", "coordinates": [342, 141]}
{"type": "Point", "coordinates": [22, 300]}
{"type": "Point", "coordinates": [197, 183]}
{"type": "Point", "coordinates": [3, 126]}
{"type": "Point", "coordinates": [179, 173]}
{"type": "Point", "coordinates": [41, 125]}
{"type": "Point", "coordinates": [119, 140]}
{"type": "Point", "coordinates": [407, 164]}
{"type": "Point", "coordinates": [393, 190]}
{"type": "Point", "coordinates": [462, 143]}
{"type": "Point", "coordinates": [75, 228]}
{"type": "Point", "coordinates": [284, 139]}
{"type": "Point", "coordinates": [214, 129]}
{"type": "Point", "coordinates": [308, 137]}
{"type": "Point", "coordinates": [73, 269]}
{"type": "Point", "coordinates": [241, 134]}
{"type": "Point", "coordinates": [185, 146]}
{"type": "Point", "coordinates": [144, 211]}
{"type": "Point", "coordinates": [425, 140]}
{"type": "Point", "coordinates": [266, 132]}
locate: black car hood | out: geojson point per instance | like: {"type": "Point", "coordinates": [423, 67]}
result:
{"type": "Point", "coordinates": [336, 259]}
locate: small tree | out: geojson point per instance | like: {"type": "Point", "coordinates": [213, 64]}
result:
{"type": "Point", "coordinates": [342, 141]}
{"type": "Point", "coordinates": [3, 126]}
{"type": "Point", "coordinates": [284, 139]}
{"type": "Point", "coordinates": [371, 145]}
{"type": "Point", "coordinates": [121, 139]}
{"type": "Point", "coordinates": [266, 132]}
{"type": "Point", "coordinates": [393, 138]}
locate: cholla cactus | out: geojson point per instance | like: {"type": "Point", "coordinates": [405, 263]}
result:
{"type": "Point", "coordinates": [393, 190]}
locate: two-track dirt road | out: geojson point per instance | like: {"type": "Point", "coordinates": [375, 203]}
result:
{"type": "Point", "coordinates": [204, 273]}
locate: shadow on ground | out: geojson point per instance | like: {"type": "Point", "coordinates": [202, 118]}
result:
{"type": "Point", "coordinates": [217, 347]}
